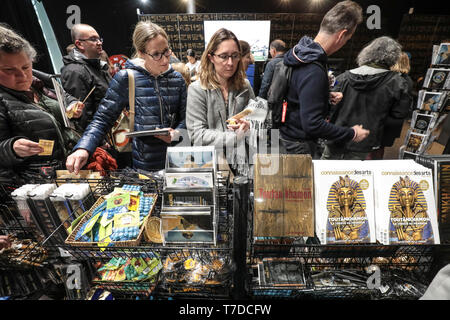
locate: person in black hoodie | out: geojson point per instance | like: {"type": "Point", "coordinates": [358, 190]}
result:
{"type": "Point", "coordinates": [83, 70]}
{"type": "Point", "coordinates": [308, 93]}
{"type": "Point", "coordinates": [372, 95]}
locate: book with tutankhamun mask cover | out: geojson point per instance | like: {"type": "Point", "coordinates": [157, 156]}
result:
{"type": "Point", "coordinates": [344, 202]}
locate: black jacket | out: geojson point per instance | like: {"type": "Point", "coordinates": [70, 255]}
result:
{"type": "Point", "coordinates": [78, 76]}
{"type": "Point", "coordinates": [308, 96]}
{"type": "Point", "coordinates": [268, 74]}
{"type": "Point", "coordinates": [372, 98]}
{"type": "Point", "coordinates": [20, 118]}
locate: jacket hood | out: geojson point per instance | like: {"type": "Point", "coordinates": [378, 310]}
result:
{"type": "Point", "coordinates": [306, 51]}
{"type": "Point", "coordinates": [367, 78]}
{"type": "Point", "coordinates": [77, 57]}
{"type": "Point", "coordinates": [139, 65]}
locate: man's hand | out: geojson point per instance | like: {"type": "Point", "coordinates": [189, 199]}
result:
{"type": "Point", "coordinates": [335, 97]}
{"type": "Point", "coordinates": [26, 148]}
{"type": "Point", "coordinates": [75, 110]}
{"type": "Point", "coordinates": [360, 133]}
{"type": "Point", "coordinates": [77, 160]}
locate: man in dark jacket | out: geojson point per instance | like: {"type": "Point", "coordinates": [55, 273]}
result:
{"type": "Point", "coordinates": [277, 49]}
{"type": "Point", "coordinates": [83, 70]}
{"type": "Point", "coordinates": [308, 93]}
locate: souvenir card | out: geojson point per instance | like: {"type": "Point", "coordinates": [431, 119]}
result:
{"type": "Point", "coordinates": [437, 78]}
{"type": "Point", "coordinates": [408, 155]}
{"type": "Point", "coordinates": [47, 145]}
{"type": "Point", "coordinates": [189, 180]}
{"type": "Point", "coordinates": [344, 204]}
{"type": "Point", "coordinates": [423, 123]}
{"type": "Point", "coordinates": [443, 55]}
{"type": "Point", "coordinates": [190, 157]}
{"type": "Point", "coordinates": [415, 142]}
{"type": "Point", "coordinates": [430, 101]}
{"type": "Point", "coordinates": [404, 203]}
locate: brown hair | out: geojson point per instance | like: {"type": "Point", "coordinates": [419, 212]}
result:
{"type": "Point", "coordinates": [207, 75]}
{"type": "Point", "coordinates": [143, 32]}
{"type": "Point", "coordinates": [12, 42]}
{"type": "Point", "coordinates": [344, 15]}
{"type": "Point", "coordinates": [184, 70]}
{"type": "Point", "coordinates": [402, 64]}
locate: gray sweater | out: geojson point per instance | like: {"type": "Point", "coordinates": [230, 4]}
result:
{"type": "Point", "coordinates": [206, 114]}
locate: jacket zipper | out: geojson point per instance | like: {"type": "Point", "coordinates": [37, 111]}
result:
{"type": "Point", "coordinates": [159, 99]}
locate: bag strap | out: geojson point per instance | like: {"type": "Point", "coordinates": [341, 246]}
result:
{"type": "Point", "coordinates": [131, 97]}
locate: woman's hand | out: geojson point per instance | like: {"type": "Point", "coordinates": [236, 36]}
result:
{"type": "Point", "coordinates": [77, 160]}
{"type": "Point", "coordinates": [239, 125]}
{"type": "Point", "coordinates": [172, 136]}
{"type": "Point", "coordinates": [75, 110]}
{"type": "Point", "coordinates": [4, 242]}
{"type": "Point", "coordinates": [26, 148]}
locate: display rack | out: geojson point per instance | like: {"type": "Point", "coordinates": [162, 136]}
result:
{"type": "Point", "coordinates": [214, 284]}
{"type": "Point", "coordinates": [336, 271]}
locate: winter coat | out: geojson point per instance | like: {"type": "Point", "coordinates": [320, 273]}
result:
{"type": "Point", "coordinates": [372, 97]}
{"type": "Point", "coordinates": [20, 118]}
{"type": "Point", "coordinates": [268, 74]}
{"type": "Point", "coordinates": [308, 96]}
{"type": "Point", "coordinates": [206, 113]}
{"type": "Point", "coordinates": [78, 76]}
{"type": "Point", "coordinates": [157, 101]}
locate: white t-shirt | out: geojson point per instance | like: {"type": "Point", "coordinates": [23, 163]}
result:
{"type": "Point", "coordinates": [193, 66]}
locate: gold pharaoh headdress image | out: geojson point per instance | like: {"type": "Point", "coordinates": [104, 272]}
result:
{"type": "Point", "coordinates": [346, 205]}
{"type": "Point", "coordinates": [408, 211]}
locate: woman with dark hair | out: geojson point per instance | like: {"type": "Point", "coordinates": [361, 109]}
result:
{"type": "Point", "coordinates": [221, 92]}
{"type": "Point", "coordinates": [30, 115]}
{"type": "Point", "coordinates": [372, 93]}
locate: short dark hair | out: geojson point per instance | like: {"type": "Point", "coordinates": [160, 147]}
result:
{"type": "Point", "coordinates": [278, 45]}
{"type": "Point", "coordinates": [190, 53]}
{"type": "Point", "coordinates": [344, 15]}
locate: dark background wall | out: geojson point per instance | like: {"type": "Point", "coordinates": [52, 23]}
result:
{"type": "Point", "coordinates": [115, 20]}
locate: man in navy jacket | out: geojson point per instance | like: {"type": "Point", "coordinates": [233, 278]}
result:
{"type": "Point", "coordinates": [309, 93]}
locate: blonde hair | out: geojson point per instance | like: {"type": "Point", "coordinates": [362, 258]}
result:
{"type": "Point", "coordinates": [144, 32]}
{"type": "Point", "coordinates": [207, 74]}
{"type": "Point", "coordinates": [184, 70]}
{"type": "Point", "coordinates": [402, 64]}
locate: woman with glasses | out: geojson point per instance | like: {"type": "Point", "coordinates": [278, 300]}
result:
{"type": "Point", "coordinates": [160, 102]}
{"type": "Point", "coordinates": [221, 92]}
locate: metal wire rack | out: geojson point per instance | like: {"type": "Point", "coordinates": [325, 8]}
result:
{"type": "Point", "coordinates": [166, 284]}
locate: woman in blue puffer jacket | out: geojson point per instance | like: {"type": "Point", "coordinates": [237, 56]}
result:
{"type": "Point", "coordinates": [160, 102]}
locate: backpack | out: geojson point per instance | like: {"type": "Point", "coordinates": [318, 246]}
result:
{"type": "Point", "coordinates": [277, 94]}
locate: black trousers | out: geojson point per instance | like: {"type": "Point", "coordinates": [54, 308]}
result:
{"type": "Point", "coordinates": [298, 147]}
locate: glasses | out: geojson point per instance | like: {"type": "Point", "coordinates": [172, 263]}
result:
{"type": "Point", "coordinates": [93, 39]}
{"type": "Point", "coordinates": [157, 56]}
{"type": "Point", "coordinates": [224, 57]}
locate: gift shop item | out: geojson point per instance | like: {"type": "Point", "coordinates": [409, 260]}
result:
{"type": "Point", "coordinates": [344, 202]}
{"type": "Point", "coordinates": [283, 193]}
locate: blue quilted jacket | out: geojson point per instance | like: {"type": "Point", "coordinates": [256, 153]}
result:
{"type": "Point", "coordinates": [160, 103]}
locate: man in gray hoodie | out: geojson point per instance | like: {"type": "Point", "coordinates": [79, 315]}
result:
{"type": "Point", "coordinates": [309, 90]}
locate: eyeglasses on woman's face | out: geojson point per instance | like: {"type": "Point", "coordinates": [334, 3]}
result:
{"type": "Point", "coordinates": [225, 57]}
{"type": "Point", "coordinates": [158, 55]}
